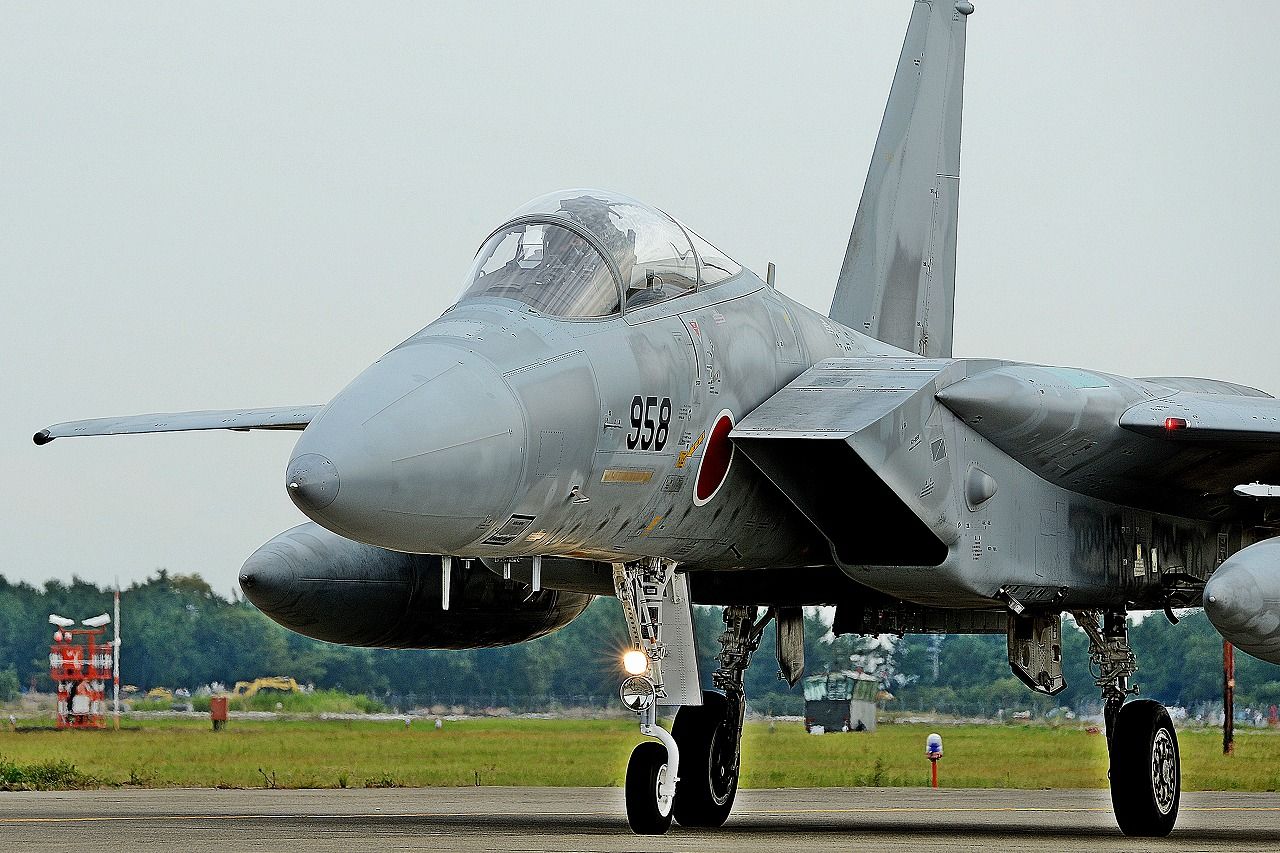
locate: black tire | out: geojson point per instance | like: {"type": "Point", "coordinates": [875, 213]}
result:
{"type": "Point", "coordinates": [705, 794]}
{"type": "Point", "coordinates": [645, 813]}
{"type": "Point", "coordinates": [1146, 773]}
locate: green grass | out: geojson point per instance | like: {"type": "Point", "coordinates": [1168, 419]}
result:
{"type": "Point", "coordinates": [43, 776]}
{"type": "Point", "coordinates": [352, 754]}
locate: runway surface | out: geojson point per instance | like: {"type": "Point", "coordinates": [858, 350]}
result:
{"type": "Point", "coordinates": [591, 819]}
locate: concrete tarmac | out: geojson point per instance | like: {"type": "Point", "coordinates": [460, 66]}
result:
{"type": "Point", "coordinates": [591, 819]}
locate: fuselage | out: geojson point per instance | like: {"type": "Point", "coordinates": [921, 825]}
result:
{"type": "Point", "coordinates": [498, 431]}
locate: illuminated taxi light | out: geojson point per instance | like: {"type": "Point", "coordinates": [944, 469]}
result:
{"type": "Point", "coordinates": [1172, 424]}
{"type": "Point", "coordinates": [635, 662]}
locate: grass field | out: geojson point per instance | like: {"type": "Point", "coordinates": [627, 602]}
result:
{"type": "Point", "coordinates": [334, 754]}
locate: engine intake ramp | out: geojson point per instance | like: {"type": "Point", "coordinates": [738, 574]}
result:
{"type": "Point", "coordinates": [850, 442]}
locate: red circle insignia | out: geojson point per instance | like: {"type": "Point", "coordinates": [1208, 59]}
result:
{"type": "Point", "coordinates": [716, 460]}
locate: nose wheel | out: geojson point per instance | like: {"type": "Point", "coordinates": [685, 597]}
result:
{"type": "Point", "coordinates": [648, 803]}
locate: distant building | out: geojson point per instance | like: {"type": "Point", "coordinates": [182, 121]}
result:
{"type": "Point", "coordinates": [841, 701]}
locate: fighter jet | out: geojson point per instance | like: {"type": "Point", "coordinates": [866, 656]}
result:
{"type": "Point", "coordinates": [616, 407]}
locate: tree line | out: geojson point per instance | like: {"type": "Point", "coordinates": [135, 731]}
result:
{"type": "Point", "coordinates": [179, 633]}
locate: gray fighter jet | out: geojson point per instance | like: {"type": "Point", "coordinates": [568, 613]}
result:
{"type": "Point", "coordinates": [615, 407]}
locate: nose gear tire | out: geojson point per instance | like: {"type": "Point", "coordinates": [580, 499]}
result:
{"type": "Point", "coordinates": [708, 762]}
{"type": "Point", "coordinates": [647, 813]}
{"type": "Point", "coordinates": [1146, 780]}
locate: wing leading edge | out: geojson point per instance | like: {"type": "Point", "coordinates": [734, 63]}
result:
{"type": "Point", "coordinates": [241, 420]}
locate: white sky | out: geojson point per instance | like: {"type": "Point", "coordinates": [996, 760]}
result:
{"type": "Point", "coordinates": [244, 204]}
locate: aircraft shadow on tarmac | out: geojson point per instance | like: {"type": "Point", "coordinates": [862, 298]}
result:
{"type": "Point", "coordinates": [904, 825]}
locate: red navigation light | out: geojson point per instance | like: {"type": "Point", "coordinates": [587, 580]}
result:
{"type": "Point", "coordinates": [1172, 424]}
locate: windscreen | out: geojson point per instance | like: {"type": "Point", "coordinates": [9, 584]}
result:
{"type": "Point", "coordinates": [547, 267]}
{"type": "Point", "coordinates": [651, 252]}
{"type": "Point", "coordinates": [716, 265]}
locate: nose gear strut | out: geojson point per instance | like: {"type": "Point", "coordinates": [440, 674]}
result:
{"type": "Point", "coordinates": [654, 768]}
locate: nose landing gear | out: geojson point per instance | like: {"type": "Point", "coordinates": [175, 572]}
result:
{"type": "Point", "coordinates": [650, 789]}
{"type": "Point", "coordinates": [1146, 774]}
{"type": "Point", "coordinates": [649, 591]}
{"type": "Point", "coordinates": [702, 752]}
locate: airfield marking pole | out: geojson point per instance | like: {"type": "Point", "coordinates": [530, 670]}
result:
{"type": "Point", "coordinates": [115, 660]}
{"type": "Point", "coordinates": [1228, 698]}
{"type": "Point", "coordinates": [934, 769]}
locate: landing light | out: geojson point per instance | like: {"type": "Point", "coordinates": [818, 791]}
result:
{"type": "Point", "coordinates": [635, 662]}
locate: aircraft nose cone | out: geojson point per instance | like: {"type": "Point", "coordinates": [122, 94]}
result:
{"type": "Point", "coordinates": [312, 480]}
{"type": "Point", "coordinates": [430, 442]}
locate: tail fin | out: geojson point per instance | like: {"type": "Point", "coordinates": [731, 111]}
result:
{"type": "Point", "coordinates": [898, 281]}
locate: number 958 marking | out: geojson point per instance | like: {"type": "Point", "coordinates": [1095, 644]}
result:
{"type": "Point", "coordinates": [650, 423]}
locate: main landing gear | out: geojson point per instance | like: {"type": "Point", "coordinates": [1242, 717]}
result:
{"type": "Point", "coordinates": [702, 751]}
{"type": "Point", "coordinates": [1146, 778]}
{"type": "Point", "coordinates": [710, 735]}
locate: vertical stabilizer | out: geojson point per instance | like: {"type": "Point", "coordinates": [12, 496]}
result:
{"type": "Point", "coordinates": [899, 276]}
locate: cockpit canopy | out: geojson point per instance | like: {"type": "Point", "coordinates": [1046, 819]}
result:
{"type": "Point", "coordinates": [590, 253]}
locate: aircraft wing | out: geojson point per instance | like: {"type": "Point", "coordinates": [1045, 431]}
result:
{"type": "Point", "coordinates": [869, 427]}
{"type": "Point", "coordinates": [294, 418]}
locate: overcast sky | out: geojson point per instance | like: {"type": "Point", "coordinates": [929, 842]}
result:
{"type": "Point", "coordinates": [244, 204]}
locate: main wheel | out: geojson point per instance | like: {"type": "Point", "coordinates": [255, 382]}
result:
{"type": "Point", "coordinates": [708, 769]}
{"type": "Point", "coordinates": [1146, 778]}
{"type": "Point", "coordinates": [648, 812]}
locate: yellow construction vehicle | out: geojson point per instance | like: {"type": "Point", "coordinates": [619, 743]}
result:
{"type": "Point", "coordinates": [162, 693]}
{"type": "Point", "coordinates": [283, 683]}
